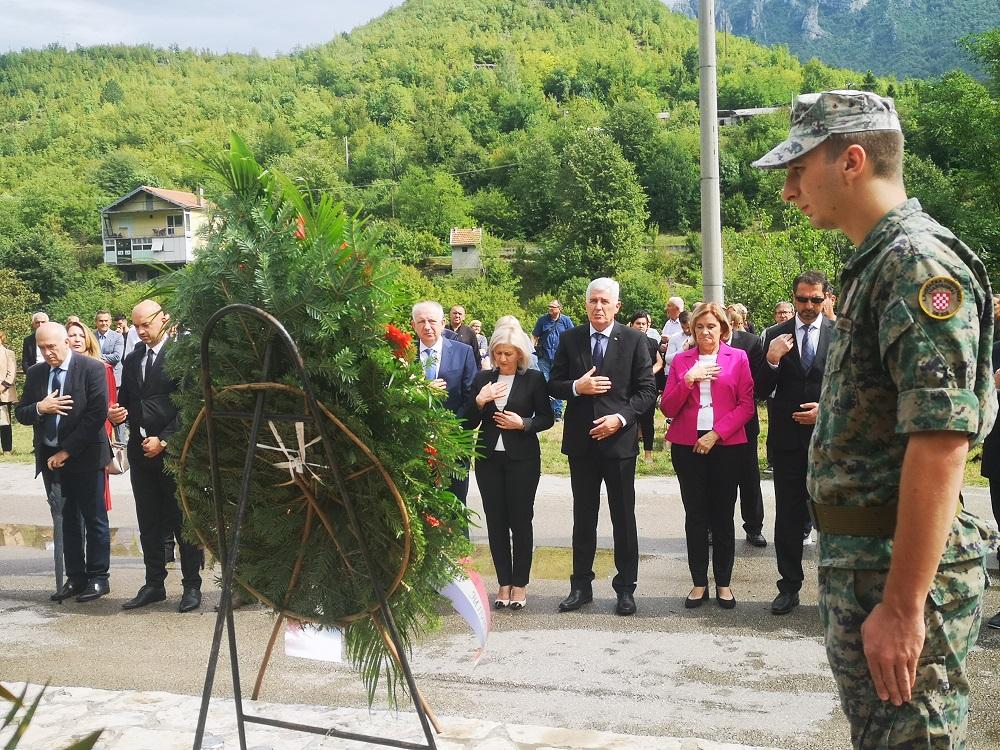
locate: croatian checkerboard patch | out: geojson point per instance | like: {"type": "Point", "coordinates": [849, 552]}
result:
{"type": "Point", "coordinates": [941, 297]}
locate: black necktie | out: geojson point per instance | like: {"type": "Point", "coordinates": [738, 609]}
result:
{"type": "Point", "coordinates": [808, 353]}
{"type": "Point", "coordinates": [52, 423]}
{"type": "Point", "coordinates": [598, 351]}
{"type": "Point", "coordinates": [149, 366]}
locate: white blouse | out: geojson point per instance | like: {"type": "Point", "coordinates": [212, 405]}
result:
{"type": "Point", "coordinates": [706, 414]}
{"type": "Point", "coordinates": [501, 404]}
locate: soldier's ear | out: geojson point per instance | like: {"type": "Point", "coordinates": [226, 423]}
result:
{"type": "Point", "coordinates": [853, 160]}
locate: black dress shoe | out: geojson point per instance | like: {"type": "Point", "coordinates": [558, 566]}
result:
{"type": "Point", "coordinates": [784, 603]}
{"type": "Point", "coordinates": [94, 590]}
{"type": "Point", "coordinates": [70, 588]}
{"type": "Point", "coordinates": [725, 603]}
{"type": "Point", "coordinates": [576, 599]}
{"type": "Point", "coordinates": [690, 603]}
{"type": "Point", "coordinates": [994, 622]}
{"type": "Point", "coordinates": [757, 540]}
{"type": "Point", "coordinates": [190, 599]}
{"type": "Point", "coordinates": [147, 595]}
{"type": "Point", "coordinates": [626, 604]}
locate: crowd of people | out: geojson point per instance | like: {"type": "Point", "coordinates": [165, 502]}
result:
{"type": "Point", "coordinates": [871, 413]}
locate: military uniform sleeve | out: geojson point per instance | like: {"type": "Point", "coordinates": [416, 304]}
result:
{"type": "Point", "coordinates": [928, 338]}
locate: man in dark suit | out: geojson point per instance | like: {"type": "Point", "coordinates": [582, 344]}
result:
{"type": "Point", "coordinates": [112, 343]}
{"type": "Point", "coordinates": [448, 363]}
{"type": "Point", "coordinates": [30, 354]}
{"type": "Point", "coordinates": [461, 332]}
{"type": "Point", "coordinates": [604, 372]}
{"type": "Point", "coordinates": [790, 380]}
{"type": "Point", "coordinates": [66, 401]}
{"type": "Point", "coordinates": [144, 400]}
{"type": "Point", "coordinates": [751, 499]}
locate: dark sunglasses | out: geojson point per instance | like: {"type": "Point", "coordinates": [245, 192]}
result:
{"type": "Point", "coordinates": [814, 300]}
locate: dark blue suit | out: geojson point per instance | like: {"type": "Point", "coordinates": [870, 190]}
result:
{"type": "Point", "coordinates": [81, 434]}
{"type": "Point", "coordinates": [458, 369]}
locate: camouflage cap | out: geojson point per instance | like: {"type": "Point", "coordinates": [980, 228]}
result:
{"type": "Point", "coordinates": [815, 117]}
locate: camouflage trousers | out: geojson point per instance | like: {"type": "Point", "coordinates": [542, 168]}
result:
{"type": "Point", "coordinates": [937, 713]}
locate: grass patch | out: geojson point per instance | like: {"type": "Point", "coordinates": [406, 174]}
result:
{"type": "Point", "coordinates": [22, 445]}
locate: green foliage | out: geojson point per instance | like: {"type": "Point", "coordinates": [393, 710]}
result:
{"type": "Point", "coordinates": [121, 172]}
{"type": "Point", "coordinates": [93, 289]}
{"type": "Point", "coordinates": [431, 202]}
{"type": "Point", "coordinates": [42, 258]}
{"type": "Point", "coordinates": [112, 92]}
{"type": "Point", "coordinates": [601, 214]}
{"type": "Point", "coordinates": [17, 304]}
{"type": "Point", "coordinates": [319, 271]}
{"type": "Point", "coordinates": [409, 246]}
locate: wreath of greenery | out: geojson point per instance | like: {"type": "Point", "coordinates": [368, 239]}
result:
{"type": "Point", "coordinates": [301, 258]}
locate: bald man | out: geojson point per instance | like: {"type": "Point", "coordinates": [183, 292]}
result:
{"type": "Point", "coordinates": [144, 400]}
{"type": "Point", "coordinates": [65, 400]}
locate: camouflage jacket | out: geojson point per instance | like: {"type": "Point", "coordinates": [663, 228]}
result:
{"type": "Point", "coordinates": [910, 353]}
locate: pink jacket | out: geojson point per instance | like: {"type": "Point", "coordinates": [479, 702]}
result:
{"type": "Point", "coordinates": [732, 398]}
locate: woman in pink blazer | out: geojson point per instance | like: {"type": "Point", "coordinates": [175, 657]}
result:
{"type": "Point", "coordinates": [709, 397]}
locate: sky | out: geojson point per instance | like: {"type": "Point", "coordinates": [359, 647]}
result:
{"type": "Point", "coordinates": [267, 26]}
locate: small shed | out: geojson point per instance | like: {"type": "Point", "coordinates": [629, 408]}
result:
{"type": "Point", "coordinates": [465, 251]}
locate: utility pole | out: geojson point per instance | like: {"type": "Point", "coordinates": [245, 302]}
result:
{"type": "Point", "coordinates": [711, 216]}
{"type": "Point", "coordinates": [347, 152]}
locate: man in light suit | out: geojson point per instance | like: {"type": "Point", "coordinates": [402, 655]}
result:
{"type": "Point", "coordinates": [790, 380]}
{"type": "Point", "coordinates": [448, 363]}
{"type": "Point", "coordinates": [144, 400]}
{"type": "Point", "coordinates": [112, 343]}
{"type": "Point", "coordinates": [605, 374]}
{"type": "Point", "coordinates": [66, 401]}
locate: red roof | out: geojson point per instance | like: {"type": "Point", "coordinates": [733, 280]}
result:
{"type": "Point", "coordinates": [465, 237]}
{"type": "Point", "coordinates": [180, 198]}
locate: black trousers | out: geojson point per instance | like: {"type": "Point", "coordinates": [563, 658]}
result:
{"type": "Point", "coordinates": [6, 432]}
{"type": "Point", "coordinates": [791, 514]}
{"type": "Point", "coordinates": [159, 515]}
{"type": "Point", "coordinates": [748, 480]}
{"type": "Point", "coordinates": [508, 490]}
{"type": "Point", "coordinates": [618, 474]}
{"type": "Point", "coordinates": [86, 536]}
{"type": "Point", "coordinates": [646, 426]}
{"type": "Point", "coordinates": [708, 484]}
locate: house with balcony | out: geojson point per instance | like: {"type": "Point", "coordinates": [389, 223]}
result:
{"type": "Point", "coordinates": [152, 227]}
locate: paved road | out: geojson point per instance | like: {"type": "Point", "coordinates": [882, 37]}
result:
{"type": "Point", "coordinates": [741, 676]}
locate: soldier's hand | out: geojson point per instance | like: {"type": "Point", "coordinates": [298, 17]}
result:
{"type": "Point", "coordinates": [590, 384]}
{"type": "Point", "coordinates": [779, 347]}
{"type": "Point", "coordinates": [808, 414]}
{"type": "Point", "coordinates": [892, 644]}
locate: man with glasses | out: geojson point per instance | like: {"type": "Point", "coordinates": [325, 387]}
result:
{"type": "Point", "coordinates": [144, 400]}
{"type": "Point", "coordinates": [548, 328]}
{"type": "Point", "coordinates": [790, 380]}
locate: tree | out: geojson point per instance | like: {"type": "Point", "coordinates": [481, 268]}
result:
{"type": "Point", "coordinates": [112, 92]}
{"type": "Point", "coordinates": [17, 303]}
{"type": "Point", "coordinates": [431, 201]}
{"type": "Point", "coordinates": [42, 259]}
{"type": "Point", "coordinates": [600, 211]}
{"type": "Point", "coordinates": [120, 173]}
{"type": "Point", "coordinates": [100, 288]}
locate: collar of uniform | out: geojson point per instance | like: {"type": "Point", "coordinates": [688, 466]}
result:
{"type": "Point", "coordinates": [873, 242]}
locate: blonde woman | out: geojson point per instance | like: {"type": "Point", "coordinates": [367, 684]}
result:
{"type": "Point", "coordinates": [510, 407]}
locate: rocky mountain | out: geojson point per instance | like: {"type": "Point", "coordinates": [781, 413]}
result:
{"type": "Point", "coordinates": [918, 38]}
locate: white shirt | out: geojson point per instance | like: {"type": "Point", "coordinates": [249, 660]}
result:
{"type": "Point", "coordinates": [131, 339]}
{"type": "Point", "coordinates": [706, 414]}
{"type": "Point", "coordinates": [436, 348]}
{"type": "Point", "coordinates": [813, 337]}
{"type": "Point", "coordinates": [672, 327]}
{"type": "Point", "coordinates": [142, 367]}
{"type": "Point", "coordinates": [64, 370]}
{"type": "Point", "coordinates": [674, 346]}
{"type": "Point", "coordinates": [501, 404]}
{"type": "Point", "coordinates": [604, 342]}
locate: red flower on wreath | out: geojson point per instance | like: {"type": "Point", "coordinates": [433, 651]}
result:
{"type": "Point", "coordinates": [344, 246]}
{"type": "Point", "coordinates": [300, 227]}
{"type": "Point", "coordinates": [432, 520]}
{"type": "Point", "coordinates": [400, 340]}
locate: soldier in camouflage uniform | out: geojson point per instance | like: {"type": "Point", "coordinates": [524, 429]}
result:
{"type": "Point", "coordinates": [907, 389]}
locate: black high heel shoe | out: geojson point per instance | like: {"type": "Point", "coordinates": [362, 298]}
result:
{"type": "Point", "coordinates": [724, 603]}
{"type": "Point", "coordinates": [690, 603]}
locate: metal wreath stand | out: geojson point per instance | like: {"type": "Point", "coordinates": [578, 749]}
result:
{"type": "Point", "coordinates": [318, 417]}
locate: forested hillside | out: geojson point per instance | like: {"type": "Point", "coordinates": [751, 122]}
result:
{"type": "Point", "coordinates": [537, 119]}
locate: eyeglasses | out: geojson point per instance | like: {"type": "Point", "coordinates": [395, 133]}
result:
{"type": "Point", "coordinates": [814, 300]}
